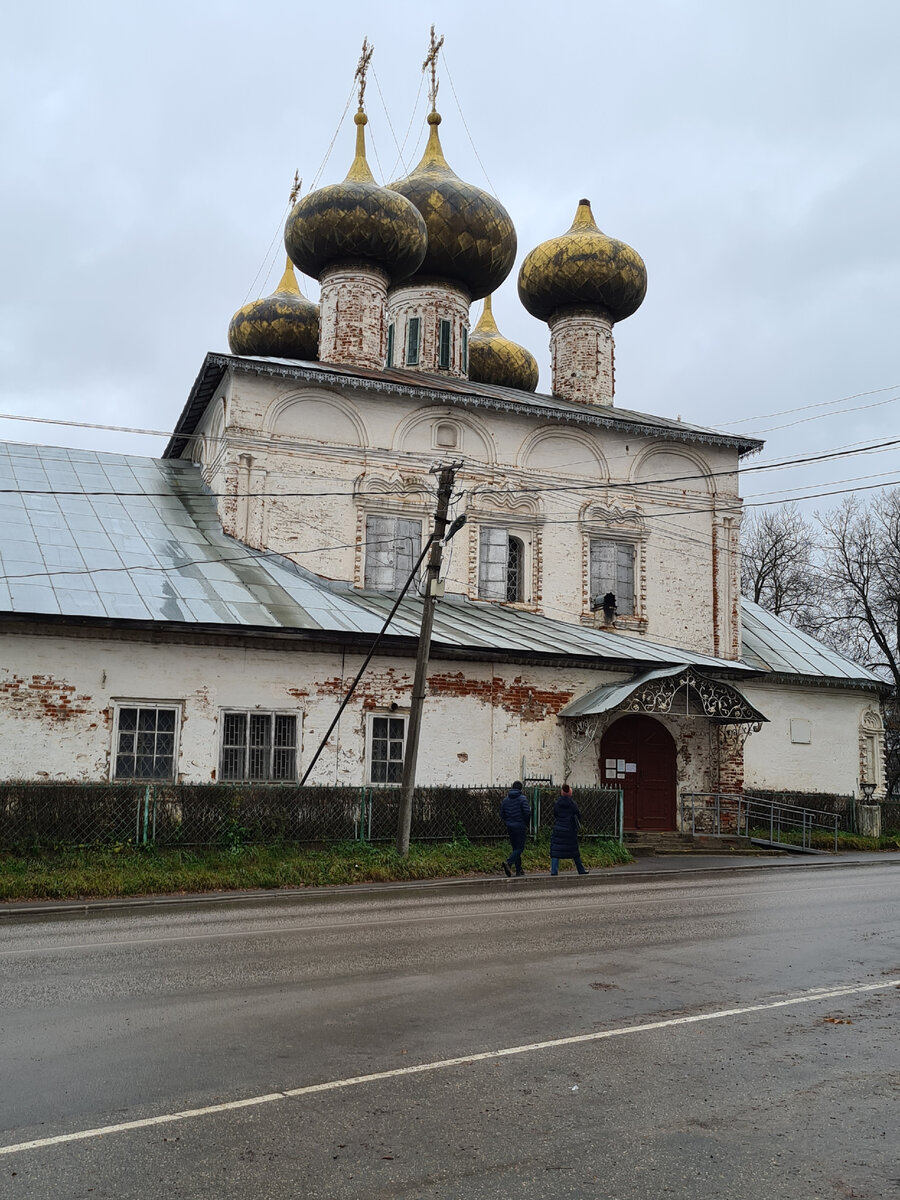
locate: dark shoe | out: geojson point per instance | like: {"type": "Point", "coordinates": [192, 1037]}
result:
{"type": "Point", "coordinates": [519, 874]}
{"type": "Point", "coordinates": [584, 872]}
{"type": "Point", "coordinates": [507, 872]}
{"type": "Point", "coordinates": [553, 874]}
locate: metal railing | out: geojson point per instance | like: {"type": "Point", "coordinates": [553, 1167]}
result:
{"type": "Point", "coordinates": [162, 814]}
{"type": "Point", "coordinates": [766, 822]}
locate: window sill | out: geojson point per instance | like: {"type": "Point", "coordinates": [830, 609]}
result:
{"type": "Point", "coordinates": [629, 624]}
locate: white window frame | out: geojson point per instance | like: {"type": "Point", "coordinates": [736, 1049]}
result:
{"type": "Point", "coordinates": [493, 536]}
{"type": "Point", "coordinates": [370, 739]}
{"type": "Point", "coordinates": [272, 714]}
{"type": "Point", "coordinates": [145, 705]}
{"type": "Point", "coordinates": [619, 546]}
{"type": "Point", "coordinates": [390, 546]}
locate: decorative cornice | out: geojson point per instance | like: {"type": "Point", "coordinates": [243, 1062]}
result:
{"type": "Point", "coordinates": [570, 414]}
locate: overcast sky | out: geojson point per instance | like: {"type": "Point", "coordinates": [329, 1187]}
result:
{"type": "Point", "coordinates": [750, 152]}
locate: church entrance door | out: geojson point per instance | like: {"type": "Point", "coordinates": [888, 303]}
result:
{"type": "Point", "coordinates": [637, 754]}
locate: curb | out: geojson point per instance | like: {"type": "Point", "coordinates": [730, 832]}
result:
{"type": "Point", "coordinates": [625, 873]}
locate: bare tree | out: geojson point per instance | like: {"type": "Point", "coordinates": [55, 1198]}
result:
{"type": "Point", "coordinates": [779, 567]}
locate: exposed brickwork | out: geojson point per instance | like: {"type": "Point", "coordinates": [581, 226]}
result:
{"type": "Point", "coordinates": [516, 696]}
{"type": "Point", "coordinates": [581, 356]}
{"type": "Point", "coordinates": [42, 696]}
{"type": "Point", "coordinates": [731, 763]}
{"type": "Point", "coordinates": [353, 312]}
{"type": "Point", "coordinates": [430, 302]}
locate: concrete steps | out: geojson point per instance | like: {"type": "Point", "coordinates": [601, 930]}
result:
{"type": "Point", "coordinates": [644, 845]}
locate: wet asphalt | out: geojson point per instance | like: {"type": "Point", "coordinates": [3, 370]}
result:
{"type": "Point", "coordinates": [711, 1059]}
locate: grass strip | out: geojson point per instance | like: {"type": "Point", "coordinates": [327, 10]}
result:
{"type": "Point", "coordinates": [95, 872]}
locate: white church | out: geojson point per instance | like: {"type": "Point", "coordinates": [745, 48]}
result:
{"type": "Point", "coordinates": [200, 616]}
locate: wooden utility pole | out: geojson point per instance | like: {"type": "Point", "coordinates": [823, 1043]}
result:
{"type": "Point", "coordinates": [432, 572]}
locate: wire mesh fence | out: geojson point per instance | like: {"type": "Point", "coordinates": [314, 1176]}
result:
{"type": "Point", "coordinates": [36, 815]}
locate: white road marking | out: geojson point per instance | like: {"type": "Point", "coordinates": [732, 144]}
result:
{"type": "Point", "coordinates": [333, 1085]}
{"type": "Point", "coordinates": [490, 912]}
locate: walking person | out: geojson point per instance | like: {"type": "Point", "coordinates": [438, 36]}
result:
{"type": "Point", "coordinates": [564, 835]}
{"type": "Point", "coordinates": [515, 813]}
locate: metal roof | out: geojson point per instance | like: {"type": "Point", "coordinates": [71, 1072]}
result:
{"type": "Point", "coordinates": [771, 644]}
{"type": "Point", "coordinates": [609, 696]}
{"type": "Point", "coordinates": [441, 389]}
{"type": "Point", "coordinates": [91, 534]}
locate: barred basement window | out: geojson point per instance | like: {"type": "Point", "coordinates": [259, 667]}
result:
{"type": "Point", "coordinates": [145, 742]}
{"type": "Point", "coordinates": [389, 361]}
{"type": "Point", "coordinates": [412, 341]}
{"type": "Point", "coordinates": [386, 739]}
{"type": "Point", "coordinates": [612, 570]}
{"type": "Point", "coordinates": [259, 747]}
{"type": "Point", "coordinates": [444, 345]}
{"type": "Point", "coordinates": [392, 546]}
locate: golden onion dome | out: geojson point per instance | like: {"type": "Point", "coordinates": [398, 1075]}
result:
{"type": "Point", "coordinates": [356, 220]}
{"type": "Point", "coordinates": [471, 238]}
{"type": "Point", "coordinates": [495, 359]}
{"type": "Point", "coordinates": [283, 325]}
{"type": "Point", "coordinates": [583, 268]}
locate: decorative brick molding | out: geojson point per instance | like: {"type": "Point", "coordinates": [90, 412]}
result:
{"type": "Point", "coordinates": [430, 303]}
{"type": "Point", "coordinates": [353, 315]}
{"type": "Point", "coordinates": [582, 356]}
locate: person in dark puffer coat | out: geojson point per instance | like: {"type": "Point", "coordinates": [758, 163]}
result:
{"type": "Point", "coordinates": [564, 835]}
{"type": "Point", "coordinates": [515, 813]}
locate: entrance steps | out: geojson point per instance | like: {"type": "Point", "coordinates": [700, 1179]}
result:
{"type": "Point", "coordinates": [643, 844]}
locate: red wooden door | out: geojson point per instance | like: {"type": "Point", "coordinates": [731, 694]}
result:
{"type": "Point", "coordinates": [637, 754]}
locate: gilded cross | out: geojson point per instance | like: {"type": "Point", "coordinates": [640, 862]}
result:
{"type": "Point", "coordinates": [362, 68]}
{"type": "Point", "coordinates": [295, 189]}
{"type": "Point", "coordinates": [431, 62]}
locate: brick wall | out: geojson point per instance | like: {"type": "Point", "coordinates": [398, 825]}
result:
{"type": "Point", "coordinates": [353, 308]}
{"type": "Point", "coordinates": [430, 302]}
{"type": "Point", "coordinates": [582, 356]}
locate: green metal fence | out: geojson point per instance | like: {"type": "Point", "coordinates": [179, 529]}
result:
{"type": "Point", "coordinates": [36, 815]}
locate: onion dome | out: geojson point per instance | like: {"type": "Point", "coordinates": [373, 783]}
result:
{"type": "Point", "coordinates": [356, 220]}
{"type": "Point", "coordinates": [471, 239]}
{"type": "Point", "coordinates": [283, 325]}
{"type": "Point", "coordinates": [493, 358]}
{"type": "Point", "coordinates": [583, 268]}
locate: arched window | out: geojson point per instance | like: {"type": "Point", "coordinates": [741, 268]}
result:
{"type": "Point", "coordinates": [502, 565]}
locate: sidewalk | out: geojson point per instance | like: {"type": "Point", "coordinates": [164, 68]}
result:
{"type": "Point", "coordinates": [641, 869]}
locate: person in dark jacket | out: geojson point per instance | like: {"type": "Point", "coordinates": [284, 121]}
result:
{"type": "Point", "coordinates": [515, 813]}
{"type": "Point", "coordinates": [564, 835]}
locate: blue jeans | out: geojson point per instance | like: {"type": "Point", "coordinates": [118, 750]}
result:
{"type": "Point", "coordinates": [517, 838]}
{"type": "Point", "coordinates": [576, 858]}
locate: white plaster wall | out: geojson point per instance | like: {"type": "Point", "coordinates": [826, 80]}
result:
{"type": "Point", "coordinates": [830, 762]}
{"type": "Point", "coordinates": [281, 438]}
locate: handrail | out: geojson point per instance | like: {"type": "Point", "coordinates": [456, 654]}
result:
{"type": "Point", "coordinates": [720, 814]}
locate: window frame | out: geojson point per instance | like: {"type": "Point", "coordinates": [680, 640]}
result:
{"type": "Point", "coordinates": [272, 714]}
{"type": "Point", "coordinates": [595, 598]}
{"type": "Point", "coordinates": [524, 539]}
{"type": "Point", "coordinates": [400, 571]}
{"type": "Point", "coordinates": [389, 353]}
{"type": "Point", "coordinates": [445, 344]}
{"type": "Point", "coordinates": [413, 347]}
{"type": "Point", "coordinates": [371, 718]}
{"type": "Point", "coordinates": [157, 706]}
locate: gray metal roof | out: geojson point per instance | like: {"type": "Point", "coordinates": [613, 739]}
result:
{"type": "Point", "coordinates": [771, 644]}
{"type": "Point", "coordinates": [90, 534]}
{"type": "Point", "coordinates": [441, 389]}
{"type": "Point", "coordinates": [611, 695]}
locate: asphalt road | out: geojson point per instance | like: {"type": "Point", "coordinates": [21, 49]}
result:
{"type": "Point", "coordinates": [727, 1034]}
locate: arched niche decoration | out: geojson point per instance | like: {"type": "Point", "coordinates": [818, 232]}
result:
{"type": "Point", "coordinates": [503, 498]}
{"type": "Point", "coordinates": [570, 451]}
{"type": "Point", "coordinates": [683, 470]}
{"type": "Point", "coordinates": [597, 516]}
{"type": "Point", "coordinates": [402, 488]}
{"type": "Point", "coordinates": [316, 416]}
{"type": "Point", "coordinates": [415, 434]}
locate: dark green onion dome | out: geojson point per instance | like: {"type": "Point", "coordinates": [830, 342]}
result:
{"type": "Point", "coordinates": [495, 359]}
{"type": "Point", "coordinates": [356, 221]}
{"type": "Point", "coordinates": [471, 239]}
{"type": "Point", "coordinates": [283, 325]}
{"type": "Point", "coordinates": [583, 268]}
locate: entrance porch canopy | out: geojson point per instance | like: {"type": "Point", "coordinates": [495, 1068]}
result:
{"type": "Point", "coordinates": [655, 691]}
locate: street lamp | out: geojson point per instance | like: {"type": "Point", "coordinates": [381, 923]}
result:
{"type": "Point", "coordinates": [868, 791]}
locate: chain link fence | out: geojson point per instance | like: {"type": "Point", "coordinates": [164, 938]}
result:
{"type": "Point", "coordinates": [35, 815]}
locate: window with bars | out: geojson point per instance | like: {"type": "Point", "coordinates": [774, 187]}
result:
{"type": "Point", "coordinates": [386, 740]}
{"type": "Point", "coordinates": [501, 565]}
{"type": "Point", "coordinates": [444, 344]}
{"type": "Point", "coordinates": [612, 570]}
{"type": "Point", "coordinates": [259, 746]}
{"type": "Point", "coordinates": [145, 741]}
{"type": "Point", "coordinates": [389, 359]}
{"type": "Point", "coordinates": [392, 546]}
{"type": "Point", "coordinates": [413, 336]}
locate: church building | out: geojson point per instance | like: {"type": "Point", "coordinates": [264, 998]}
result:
{"type": "Point", "coordinates": [201, 616]}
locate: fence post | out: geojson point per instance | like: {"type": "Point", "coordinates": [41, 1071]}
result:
{"type": "Point", "coordinates": [146, 813]}
{"type": "Point", "coordinates": [535, 812]}
{"type": "Point", "coordinates": [621, 815]}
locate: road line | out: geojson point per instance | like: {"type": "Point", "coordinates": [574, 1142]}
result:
{"type": "Point", "coordinates": [812, 997]}
{"type": "Point", "coordinates": [562, 907]}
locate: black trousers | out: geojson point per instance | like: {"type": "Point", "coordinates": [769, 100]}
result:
{"type": "Point", "coordinates": [517, 838]}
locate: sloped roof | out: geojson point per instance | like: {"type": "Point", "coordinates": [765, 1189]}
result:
{"type": "Point", "coordinates": [443, 389]}
{"type": "Point", "coordinates": [122, 537]}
